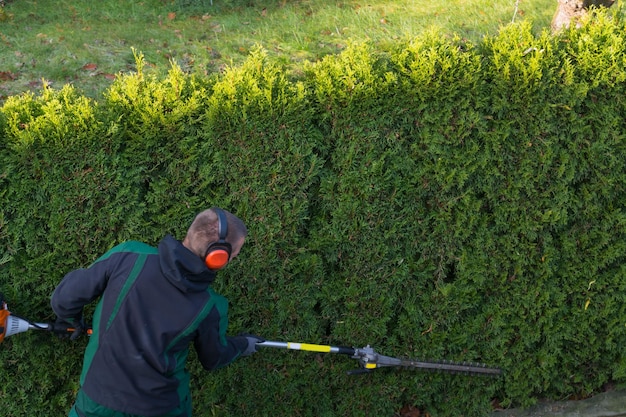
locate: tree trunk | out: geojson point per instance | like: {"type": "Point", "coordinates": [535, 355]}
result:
{"type": "Point", "coordinates": [571, 11]}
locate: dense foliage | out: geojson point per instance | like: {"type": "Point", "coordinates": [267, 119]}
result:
{"type": "Point", "coordinates": [439, 200]}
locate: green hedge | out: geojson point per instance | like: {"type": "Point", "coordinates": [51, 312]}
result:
{"type": "Point", "coordinates": [438, 199]}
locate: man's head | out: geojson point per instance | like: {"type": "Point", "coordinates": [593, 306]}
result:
{"type": "Point", "coordinates": [214, 231]}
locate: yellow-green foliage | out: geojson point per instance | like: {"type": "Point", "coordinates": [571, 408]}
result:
{"type": "Point", "coordinates": [438, 199]}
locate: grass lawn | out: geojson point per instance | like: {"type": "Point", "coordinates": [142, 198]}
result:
{"type": "Point", "coordinates": [87, 43]}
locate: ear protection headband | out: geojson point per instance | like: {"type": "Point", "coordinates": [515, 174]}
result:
{"type": "Point", "coordinates": [218, 253]}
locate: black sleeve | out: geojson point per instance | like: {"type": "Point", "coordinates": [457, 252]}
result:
{"type": "Point", "coordinates": [77, 289]}
{"type": "Point", "coordinates": [214, 348]}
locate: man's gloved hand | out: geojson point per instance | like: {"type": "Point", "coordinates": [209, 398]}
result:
{"type": "Point", "coordinates": [252, 341]}
{"type": "Point", "coordinates": [61, 327]}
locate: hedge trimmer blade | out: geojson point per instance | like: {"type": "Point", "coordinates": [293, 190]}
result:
{"type": "Point", "coordinates": [370, 360]}
{"type": "Point", "coordinates": [465, 368]}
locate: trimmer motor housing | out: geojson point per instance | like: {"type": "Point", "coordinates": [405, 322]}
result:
{"type": "Point", "coordinates": [4, 318]}
{"type": "Point", "coordinates": [10, 325]}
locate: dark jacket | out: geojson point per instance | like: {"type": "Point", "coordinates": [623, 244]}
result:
{"type": "Point", "coordinates": [154, 303]}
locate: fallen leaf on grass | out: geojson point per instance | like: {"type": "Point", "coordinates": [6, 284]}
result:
{"type": "Point", "coordinates": [103, 74]}
{"type": "Point", "coordinates": [203, 18]}
{"type": "Point", "coordinates": [495, 404]}
{"type": "Point", "coordinates": [90, 67]}
{"type": "Point", "coordinates": [7, 76]}
{"type": "Point", "coordinates": [171, 15]}
{"type": "Point", "coordinates": [38, 83]}
{"type": "Point", "coordinates": [409, 411]}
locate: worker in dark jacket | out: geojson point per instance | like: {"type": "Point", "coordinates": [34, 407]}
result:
{"type": "Point", "coordinates": [154, 302]}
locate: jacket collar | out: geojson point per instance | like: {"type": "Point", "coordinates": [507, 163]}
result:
{"type": "Point", "coordinates": [183, 268]}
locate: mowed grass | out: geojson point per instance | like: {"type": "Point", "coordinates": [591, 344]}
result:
{"type": "Point", "coordinates": [86, 43]}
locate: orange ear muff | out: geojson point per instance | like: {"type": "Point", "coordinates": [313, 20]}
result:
{"type": "Point", "coordinates": [218, 253]}
{"type": "Point", "coordinates": [216, 259]}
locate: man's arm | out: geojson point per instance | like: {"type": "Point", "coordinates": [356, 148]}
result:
{"type": "Point", "coordinates": [77, 289]}
{"type": "Point", "coordinates": [214, 348]}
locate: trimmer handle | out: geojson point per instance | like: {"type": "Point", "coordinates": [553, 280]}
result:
{"type": "Point", "coordinates": [62, 328]}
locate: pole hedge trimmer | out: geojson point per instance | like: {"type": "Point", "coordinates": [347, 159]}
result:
{"type": "Point", "coordinates": [368, 358]}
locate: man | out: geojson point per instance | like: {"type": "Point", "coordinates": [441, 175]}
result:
{"type": "Point", "coordinates": [154, 302]}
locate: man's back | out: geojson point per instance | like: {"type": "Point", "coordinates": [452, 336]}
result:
{"type": "Point", "coordinates": [154, 303]}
